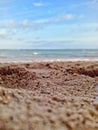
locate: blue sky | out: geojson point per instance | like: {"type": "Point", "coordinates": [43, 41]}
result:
{"type": "Point", "coordinates": [48, 24]}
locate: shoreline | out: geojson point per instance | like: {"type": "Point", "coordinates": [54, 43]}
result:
{"type": "Point", "coordinates": [52, 60]}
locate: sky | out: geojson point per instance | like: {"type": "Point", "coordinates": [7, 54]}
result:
{"type": "Point", "coordinates": [48, 24]}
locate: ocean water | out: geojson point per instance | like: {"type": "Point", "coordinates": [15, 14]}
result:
{"type": "Point", "coordinates": [48, 55]}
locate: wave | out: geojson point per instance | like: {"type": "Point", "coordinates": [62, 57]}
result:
{"type": "Point", "coordinates": [35, 53]}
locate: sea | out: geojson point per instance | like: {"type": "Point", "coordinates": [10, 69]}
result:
{"type": "Point", "coordinates": [48, 55]}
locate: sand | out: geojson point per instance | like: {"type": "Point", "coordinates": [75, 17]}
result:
{"type": "Point", "coordinates": [49, 96]}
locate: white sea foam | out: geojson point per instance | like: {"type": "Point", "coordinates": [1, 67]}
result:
{"type": "Point", "coordinates": [35, 53]}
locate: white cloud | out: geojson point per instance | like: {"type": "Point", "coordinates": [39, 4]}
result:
{"type": "Point", "coordinates": [59, 18]}
{"type": "Point", "coordinates": [66, 17]}
{"type": "Point", "coordinates": [26, 23]}
{"type": "Point", "coordinates": [38, 4]}
{"type": "Point", "coordinates": [4, 34]}
{"type": "Point", "coordinates": [10, 23]}
{"type": "Point", "coordinates": [36, 24]}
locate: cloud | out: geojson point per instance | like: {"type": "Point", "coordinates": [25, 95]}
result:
{"type": "Point", "coordinates": [56, 19]}
{"type": "Point", "coordinates": [10, 23]}
{"type": "Point", "coordinates": [4, 34]}
{"type": "Point", "coordinates": [40, 23]}
{"type": "Point", "coordinates": [25, 23]}
{"type": "Point", "coordinates": [89, 4]}
{"type": "Point", "coordinates": [36, 24]}
{"type": "Point", "coordinates": [37, 4]}
{"type": "Point", "coordinates": [64, 17]}
{"type": "Point", "coordinates": [48, 44]}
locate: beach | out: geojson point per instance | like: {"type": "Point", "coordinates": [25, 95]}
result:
{"type": "Point", "coordinates": [56, 95]}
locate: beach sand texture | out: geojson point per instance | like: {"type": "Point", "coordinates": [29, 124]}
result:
{"type": "Point", "coordinates": [49, 96]}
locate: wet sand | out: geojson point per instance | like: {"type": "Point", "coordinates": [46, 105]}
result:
{"type": "Point", "coordinates": [49, 96]}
